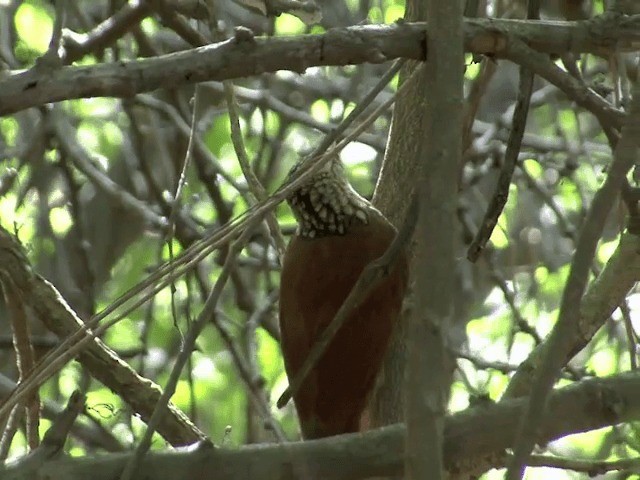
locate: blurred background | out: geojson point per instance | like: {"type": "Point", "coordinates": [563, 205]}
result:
{"type": "Point", "coordinates": [65, 168]}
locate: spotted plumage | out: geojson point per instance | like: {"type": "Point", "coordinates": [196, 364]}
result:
{"type": "Point", "coordinates": [327, 204]}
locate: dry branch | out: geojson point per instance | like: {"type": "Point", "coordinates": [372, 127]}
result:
{"type": "Point", "coordinates": [244, 56]}
{"type": "Point", "coordinates": [587, 405]}
{"type": "Point", "coordinates": [103, 364]}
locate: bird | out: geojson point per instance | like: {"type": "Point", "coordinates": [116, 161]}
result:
{"type": "Point", "coordinates": [338, 234]}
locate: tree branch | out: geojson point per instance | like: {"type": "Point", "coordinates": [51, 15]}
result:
{"type": "Point", "coordinates": [587, 405]}
{"type": "Point", "coordinates": [103, 364]}
{"type": "Point", "coordinates": [245, 56]}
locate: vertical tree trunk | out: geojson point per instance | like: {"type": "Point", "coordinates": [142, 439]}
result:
{"type": "Point", "coordinates": [402, 160]}
{"type": "Point", "coordinates": [425, 137]}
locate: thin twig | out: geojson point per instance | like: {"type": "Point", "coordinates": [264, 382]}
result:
{"type": "Point", "coordinates": [25, 360]}
{"type": "Point", "coordinates": [58, 25]}
{"type": "Point", "coordinates": [521, 322]}
{"type": "Point", "coordinates": [245, 165]}
{"type": "Point", "coordinates": [182, 179]}
{"type": "Point", "coordinates": [256, 394]}
{"type": "Point", "coordinates": [81, 159]}
{"type": "Point", "coordinates": [361, 107]}
{"type": "Point", "coordinates": [482, 364]}
{"type": "Point", "coordinates": [55, 438]}
{"type": "Point", "coordinates": [593, 468]}
{"type": "Point", "coordinates": [105, 33]}
{"type": "Point", "coordinates": [539, 63]}
{"type": "Point", "coordinates": [501, 194]}
{"type": "Point", "coordinates": [266, 100]}
{"type": "Point", "coordinates": [472, 103]}
{"type": "Point", "coordinates": [185, 130]}
{"type": "Point", "coordinates": [208, 311]}
{"type": "Point", "coordinates": [632, 336]}
{"type": "Point", "coordinates": [10, 429]}
{"type": "Point", "coordinates": [176, 201]}
{"type": "Point", "coordinates": [57, 434]}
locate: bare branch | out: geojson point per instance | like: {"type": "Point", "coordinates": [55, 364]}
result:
{"type": "Point", "coordinates": [236, 58]}
{"type": "Point", "coordinates": [584, 406]}
{"type": "Point", "coordinates": [103, 364]}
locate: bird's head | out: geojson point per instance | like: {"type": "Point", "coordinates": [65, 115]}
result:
{"type": "Point", "coordinates": [326, 203]}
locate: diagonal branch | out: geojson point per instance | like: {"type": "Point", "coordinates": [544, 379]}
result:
{"type": "Point", "coordinates": [103, 364]}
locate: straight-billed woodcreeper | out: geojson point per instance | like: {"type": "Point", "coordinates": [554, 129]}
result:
{"type": "Point", "coordinates": [339, 232]}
